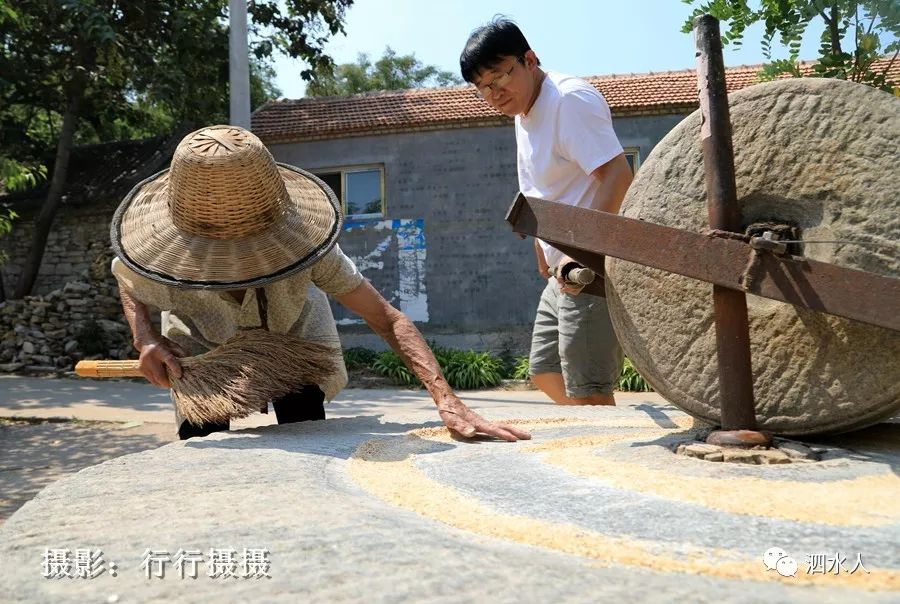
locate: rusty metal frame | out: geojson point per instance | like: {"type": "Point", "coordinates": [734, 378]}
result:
{"type": "Point", "coordinates": [738, 410]}
{"type": "Point", "coordinates": [589, 235]}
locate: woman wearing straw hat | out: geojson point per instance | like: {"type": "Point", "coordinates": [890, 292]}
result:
{"type": "Point", "coordinates": [226, 239]}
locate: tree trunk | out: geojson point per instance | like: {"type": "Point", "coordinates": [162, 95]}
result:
{"type": "Point", "coordinates": [834, 30]}
{"type": "Point", "coordinates": [58, 182]}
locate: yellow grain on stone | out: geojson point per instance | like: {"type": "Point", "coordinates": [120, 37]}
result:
{"type": "Point", "coordinates": [385, 468]}
{"type": "Point", "coordinates": [441, 434]}
{"type": "Point", "coordinates": [862, 501]}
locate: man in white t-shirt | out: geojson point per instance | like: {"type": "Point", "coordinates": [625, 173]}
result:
{"type": "Point", "coordinates": [567, 152]}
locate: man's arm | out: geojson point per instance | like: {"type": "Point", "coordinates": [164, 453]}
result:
{"type": "Point", "coordinates": [159, 355]}
{"type": "Point", "coordinates": [615, 177]}
{"type": "Point", "coordinates": [405, 339]}
{"type": "Point", "coordinates": [543, 267]}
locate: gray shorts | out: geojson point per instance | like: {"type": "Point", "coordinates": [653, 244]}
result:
{"type": "Point", "coordinates": [573, 335]}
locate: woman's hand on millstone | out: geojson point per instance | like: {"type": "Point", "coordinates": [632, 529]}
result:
{"type": "Point", "coordinates": [465, 422]}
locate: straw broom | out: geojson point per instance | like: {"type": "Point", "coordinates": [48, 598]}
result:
{"type": "Point", "coordinates": [238, 377]}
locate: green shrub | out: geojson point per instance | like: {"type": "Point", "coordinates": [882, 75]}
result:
{"type": "Point", "coordinates": [443, 355]}
{"type": "Point", "coordinates": [390, 365]}
{"type": "Point", "coordinates": [6, 218]}
{"type": "Point", "coordinates": [470, 370]}
{"type": "Point", "coordinates": [631, 380]}
{"type": "Point", "coordinates": [464, 370]}
{"type": "Point", "coordinates": [520, 369]}
{"type": "Point", "coordinates": [359, 358]}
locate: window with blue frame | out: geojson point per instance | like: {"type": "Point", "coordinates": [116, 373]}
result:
{"type": "Point", "coordinates": [360, 189]}
{"type": "Point", "coordinates": [633, 157]}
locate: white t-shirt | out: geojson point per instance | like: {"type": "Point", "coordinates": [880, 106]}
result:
{"type": "Point", "coordinates": [566, 135]}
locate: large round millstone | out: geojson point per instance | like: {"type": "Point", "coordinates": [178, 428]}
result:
{"type": "Point", "coordinates": [820, 155]}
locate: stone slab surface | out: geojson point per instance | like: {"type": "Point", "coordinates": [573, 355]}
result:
{"type": "Point", "coordinates": [387, 508]}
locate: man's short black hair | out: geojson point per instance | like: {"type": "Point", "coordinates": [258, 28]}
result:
{"type": "Point", "coordinates": [489, 45]}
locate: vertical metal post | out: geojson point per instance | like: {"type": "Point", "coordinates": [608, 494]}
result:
{"type": "Point", "coordinates": [238, 64]}
{"type": "Point", "coordinates": [730, 306]}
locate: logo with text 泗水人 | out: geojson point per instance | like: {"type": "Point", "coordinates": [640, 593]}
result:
{"type": "Point", "coordinates": [777, 559]}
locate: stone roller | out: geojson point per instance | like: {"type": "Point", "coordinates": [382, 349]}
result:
{"type": "Point", "coordinates": [813, 157]}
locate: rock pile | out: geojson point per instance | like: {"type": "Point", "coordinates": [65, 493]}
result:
{"type": "Point", "coordinates": [783, 451]}
{"type": "Point", "coordinates": [50, 333]}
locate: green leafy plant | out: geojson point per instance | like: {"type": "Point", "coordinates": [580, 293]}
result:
{"type": "Point", "coordinates": [6, 218]}
{"type": "Point", "coordinates": [80, 71]}
{"type": "Point", "coordinates": [469, 370]}
{"type": "Point", "coordinates": [390, 72]}
{"type": "Point", "coordinates": [631, 380]}
{"type": "Point", "coordinates": [359, 358]}
{"type": "Point", "coordinates": [463, 370]}
{"type": "Point", "coordinates": [17, 176]}
{"type": "Point", "coordinates": [390, 365]}
{"type": "Point", "coordinates": [520, 368]}
{"type": "Point", "coordinates": [857, 34]}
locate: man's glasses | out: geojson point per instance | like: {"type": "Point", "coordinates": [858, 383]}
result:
{"type": "Point", "coordinates": [487, 91]}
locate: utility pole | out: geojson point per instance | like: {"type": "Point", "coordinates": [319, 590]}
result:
{"type": "Point", "coordinates": [238, 64]}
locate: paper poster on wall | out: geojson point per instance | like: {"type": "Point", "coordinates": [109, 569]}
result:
{"type": "Point", "coordinates": [391, 254]}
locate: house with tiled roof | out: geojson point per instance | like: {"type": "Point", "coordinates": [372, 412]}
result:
{"type": "Point", "coordinates": [426, 177]}
{"type": "Point", "coordinates": [404, 111]}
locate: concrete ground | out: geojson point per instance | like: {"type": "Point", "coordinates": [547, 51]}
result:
{"type": "Point", "coordinates": [378, 504]}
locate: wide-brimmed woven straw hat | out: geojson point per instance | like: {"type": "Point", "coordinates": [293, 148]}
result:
{"type": "Point", "coordinates": [225, 215]}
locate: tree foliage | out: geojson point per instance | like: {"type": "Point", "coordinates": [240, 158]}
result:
{"type": "Point", "coordinates": [872, 27]}
{"type": "Point", "coordinates": [390, 72]}
{"type": "Point", "coordinates": [143, 66]}
{"type": "Point", "coordinates": [82, 71]}
{"type": "Point", "coordinates": [6, 219]}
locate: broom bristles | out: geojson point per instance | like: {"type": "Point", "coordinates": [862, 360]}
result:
{"type": "Point", "coordinates": [250, 369]}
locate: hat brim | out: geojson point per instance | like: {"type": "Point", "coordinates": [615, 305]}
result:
{"type": "Point", "coordinates": [148, 242]}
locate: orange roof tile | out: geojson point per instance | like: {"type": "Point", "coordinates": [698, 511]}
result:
{"type": "Point", "coordinates": [439, 108]}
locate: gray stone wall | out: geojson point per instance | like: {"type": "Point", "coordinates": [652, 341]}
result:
{"type": "Point", "coordinates": [75, 241]}
{"type": "Point", "coordinates": [644, 132]}
{"type": "Point", "coordinates": [477, 280]}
